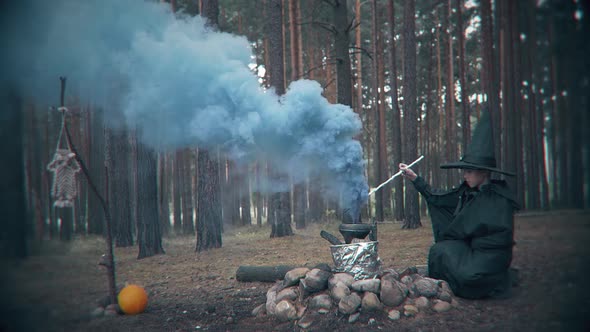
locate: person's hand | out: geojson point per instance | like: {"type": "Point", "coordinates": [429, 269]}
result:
{"type": "Point", "coordinates": [407, 172]}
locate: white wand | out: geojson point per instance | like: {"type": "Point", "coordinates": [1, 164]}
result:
{"type": "Point", "coordinates": [395, 175]}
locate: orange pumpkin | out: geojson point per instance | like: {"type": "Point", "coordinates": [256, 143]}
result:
{"type": "Point", "coordinates": [132, 299]}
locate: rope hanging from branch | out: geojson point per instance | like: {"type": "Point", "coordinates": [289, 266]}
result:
{"type": "Point", "coordinates": [65, 167]}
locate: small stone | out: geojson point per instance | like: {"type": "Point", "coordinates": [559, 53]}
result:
{"type": "Point", "coordinates": [422, 270]}
{"type": "Point", "coordinates": [394, 315]}
{"type": "Point", "coordinates": [390, 273]}
{"type": "Point", "coordinates": [287, 294]}
{"type": "Point", "coordinates": [97, 312]}
{"type": "Point", "coordinates": [441, 306]}
{"type": "Point", "coordinates": [349, 304]}
{"type": "Point", "coordinates": [455, 303]}
{"type": "Point", "coordinates": [322, 301]}
{"type": "Point", "coordinates": [316, 280]}
{"type": "Point", "coordinates": [425, 287]}
{"type": "Point", "coordinates": [292, 277]}
{"type": "Point", "coordinates": [444, 286]}
{"type": "Point", "coordinates": [372, 321]}
{"type": "Point", "coordinates": [410, 310]}
{"type": "Point", "coordinates": [392, 294]}
{"type": "Point", "coordinates": [445, 296]}
{"type": "Point", "coordinates": [354, 317]}
{"type": "Point", "coordinates": [344, 278]}
{"type": "Point", "coordinates": [229, 320]}
{"type": "Point", "coordinates": [110, 312]}
{"type": "Point", "coordinates": [259, 310]}
{"type": "Point", "coordinates": [305, 322]}
{"type": "Point", "coordinates": [370, 302]}
{"type": "Point", "coordinates": [285, 311]}
{"type": "Point", "coordinates": [407, 280]}
{"type": "Point", "coordinates": [421, 303]}
{"type": "Point", "coordinates": [301, 311]}
{"type": "Point", "coordinates": [271, 296]}
{"type": "Point", "coordinates": [369, 285]}
{"type": "Point", "coordinates": [340, 291]}
{"type": "Point", "coordinates": [323, 311]}
{"type": "Point", "coordinates": [113, 307]}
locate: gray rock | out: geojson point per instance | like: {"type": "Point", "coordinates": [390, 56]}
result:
{"type": "Point", "coordinates": [271, 296]}
{"type": "Point", "coordinates": [292, 277]}
{"type": "Point", "coordinates": [110, 312]}
{"type": "Point", "coordinates": [455, 303]}
{"type": "Point", "coordinates": [372, 321]}
{"type": "Point", "coordinates": [323, 311]}
{"type": "Point", "coordinates": [349, 304]}
{"type": "Point", "coordinates": [390, 273]}
{"type": "Point", "coordinates": [445, 296]}
{"type": "Point", "coordinates": [316, 280]}
{"type": "Point", "coordinates": [421, 303]}
{"type": "Point", "coordinates": [425, 287]}
{"type": "Point", "coordinates": [320, 301]}
{"type": "Point", "coordinates": [287, 294]}
{"type": "Point", "coordinates": [354, 317]}
{"type": "Point", "coordinates": [113, 307]}
{"type": "Point", "coordinates": [344, 278]}
{"type": "Point", "coordinates": [394, 314]}
{"type": "Point", "coordinates": [368, 285]}
{"type": "Point", "coordinates": [301, 311]}
{"type": "Point", "coordinates": [285, 311]}
{"type": "Point", "coordinates": [422, 270]}
{"type": "Point", "coordinates": [441, 306]}
{"type": "Point", "coordinates": [444, 286]}
{"type": "Point", "coordinates": [339, 291]}
{"type": "Point", "coordinates": [410, 310]}
{"type": "Point", "coordinates": [407, 280]}
{"type": "Point", "coordinates": [305, 322]}
{"type": "Point", "coordinates": [370, 302]}
{"type": "Point", "coordinates": [392, 293]}
{"type": "Point", "coordinates": [259, 310]}
{"type": "Point", "coordinates": [97, 312]}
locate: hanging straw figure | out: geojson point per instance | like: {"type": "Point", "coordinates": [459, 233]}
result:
{"type": "Point", "coordinates": [64, 167]}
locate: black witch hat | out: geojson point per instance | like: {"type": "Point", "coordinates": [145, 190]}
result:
{"type": "Point", "coordinates": [480, 152]}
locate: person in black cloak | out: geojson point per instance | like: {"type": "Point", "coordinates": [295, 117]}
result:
{"type": "Point", "coordinates": [473, 224]}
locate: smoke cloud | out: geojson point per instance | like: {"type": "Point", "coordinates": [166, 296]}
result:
{"type": "Point", "coordinates": [182, 85]}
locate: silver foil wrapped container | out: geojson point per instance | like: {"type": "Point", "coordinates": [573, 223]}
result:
{"type": "Point", "coordinates": [359, 259]}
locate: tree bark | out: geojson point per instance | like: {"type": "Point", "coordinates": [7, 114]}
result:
{"type": "Point", "coordinates": [465, 122]}
{"type": "Point", "coordinates": [13, 237]}
{"type": "Point", "coordinates": [119, 175]}
{"type": "Point", "coordinates": [280, 219]}
{"type": "Point", "coordinates": [209, 204]}
{"type": "Point", "coordinates": [410, 113]}
{"type": "Point", "coordinates": [396, 127]}
{"type": "Point", "coordinates": [149, 237]}
{"type": "Point", "coordinates": [378, 117]}
{"type": "Point", "coordinates": [177, 193]}
{"type": "Point", "coordinates": [188, 221]}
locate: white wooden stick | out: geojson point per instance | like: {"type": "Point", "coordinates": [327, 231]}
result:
{"type": "Point", "coordinates": [395, 175]}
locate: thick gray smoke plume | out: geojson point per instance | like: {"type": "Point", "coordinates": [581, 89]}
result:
{"type": "Point", "coordinates": [182, 85]}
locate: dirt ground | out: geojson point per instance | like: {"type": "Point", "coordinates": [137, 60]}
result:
{"type": "Point", "coordinates": [57, 289]}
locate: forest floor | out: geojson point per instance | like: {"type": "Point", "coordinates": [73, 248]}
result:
{"type": "Point", "coordinates": [57, 289]}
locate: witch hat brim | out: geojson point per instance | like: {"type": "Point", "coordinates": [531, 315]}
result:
{"type": "Point", "coordinates": [480, 152]}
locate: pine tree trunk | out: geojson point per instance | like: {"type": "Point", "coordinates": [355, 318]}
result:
{"type": "Point", "coordinates": [410, 116]}
{"type": "Point", "coordinates": [149, 237]}
{"type": "Point", "coordinates": [451, 153]}
{"type": "Point", "coordinates": [188, 221]}
{"type": "Point", "coordinates": [396, 127]}
{"type": "Point", "coordinates": [280, 218]}
{"type": "Point", "coordinates": [119, 199]}
{"type": "Point", "coordinates": [178, 187]}
{"type": "Point", "coordinates": [209, 203]}
{"type": "Point", "coordinates": [378, 117]}
{"type": "Point", "coordinates": [465, 122]}
{"type": "Point", "coordinates": [164, 192]}
{"type": "Point", "coordinates": [13, 237]}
